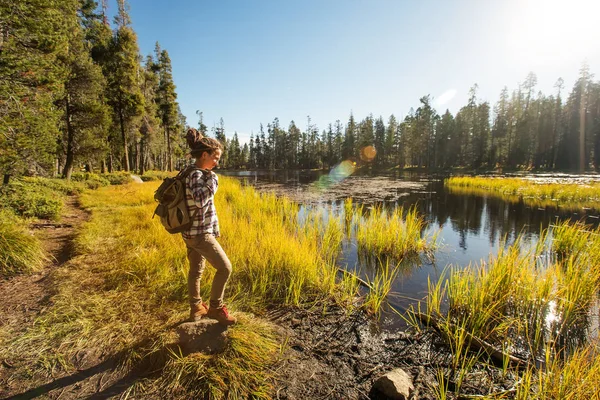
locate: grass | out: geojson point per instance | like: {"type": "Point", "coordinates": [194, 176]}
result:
{"type": "Point", "coordinates": [125, 289]}
{"type": "Point", "coordinates": [20, 251]}
{"type": "Point", "coordinates": [127, 286]}
{"type": "Point", "coordinates": [567, 196]}
{"type": "Point", "coordinates": [394, 234]}
{"type": "Point", "coordinates": [575, 378]}
{"type": "Point", "coordinates": [535, 310]}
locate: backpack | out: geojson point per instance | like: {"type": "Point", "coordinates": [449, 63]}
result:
{"type": "Point", "coordinates": [172, 206]}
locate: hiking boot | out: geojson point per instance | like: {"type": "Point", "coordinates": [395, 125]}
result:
{"type": "Point", "coordinates": [222, 315]}
{"type": "Point", "coordinates": [198, 311]}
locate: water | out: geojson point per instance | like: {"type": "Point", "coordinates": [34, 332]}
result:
{"type": "Point", "coordinates": [471, 227]}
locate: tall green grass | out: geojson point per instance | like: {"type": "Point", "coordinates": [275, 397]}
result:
{"type": "Point", "coordinates": [567, 196]}
{"type": "Point", "coordinates": [126, 288]}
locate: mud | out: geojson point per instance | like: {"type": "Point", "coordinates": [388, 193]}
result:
{"type": "Point", "coordinates": [334, 355]}
{"type": "Point", "coordinates": [366, 190]}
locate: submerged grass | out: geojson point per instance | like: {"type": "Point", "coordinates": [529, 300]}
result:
{"type": "Point", "coordinates": [535, 310]}
{"type": "Point", "coordinates": [567, 196]}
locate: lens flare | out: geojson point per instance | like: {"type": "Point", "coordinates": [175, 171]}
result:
{"type": "Point", "coordinates": [368, 153]}
{"type": "Point", "coordinates": [336, 175]}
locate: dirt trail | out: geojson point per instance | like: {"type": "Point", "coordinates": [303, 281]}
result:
{"type": "Point", "coordinates": [24, 297]}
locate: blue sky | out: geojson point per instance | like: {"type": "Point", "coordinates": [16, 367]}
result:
{"type": "Point", "coordinates": [251, 61]}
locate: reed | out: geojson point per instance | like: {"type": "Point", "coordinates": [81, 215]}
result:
{"type": "Point", "coordinates": [575, 378]}
{"type": "Point", "coordinates": [393, 234]}
{"type": "Point", "coordinates": [516, 301]}
{"type": "Point", "coordinates": [567, 196]}
{"type": "Point", "coordinates": [380, 286]}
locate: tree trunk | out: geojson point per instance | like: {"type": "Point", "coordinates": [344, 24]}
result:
{"type": "Point", "coordinates": [68, 168]}
{"type": "Point", "coordinates": [582, 131]}
{"type": "Point", "coordinates": [142, 157]}
{"type": "Point", "coordinates": [103, 166]}
{"type": "Point", "coordinates": [124, 137]}
{"type": "Point", "coordinates": [169, 153]}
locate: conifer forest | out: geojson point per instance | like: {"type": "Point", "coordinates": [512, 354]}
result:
{"type": "Point", "coordinates": [75, 93]}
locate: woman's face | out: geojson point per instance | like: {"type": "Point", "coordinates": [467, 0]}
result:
{"type": "Point", "coordinates": [209, 161]}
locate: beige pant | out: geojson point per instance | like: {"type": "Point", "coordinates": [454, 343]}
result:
{"type": "Point", "coordinates": [199, 249]}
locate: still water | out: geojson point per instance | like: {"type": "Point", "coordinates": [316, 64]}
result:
{"type": "Point", "coordinates": [471, 227]}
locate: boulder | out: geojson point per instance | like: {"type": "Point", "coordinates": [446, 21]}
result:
{"type": "Point", "coordinates": [205, 335]}
{"type": "Point", "coordinates": [395, 385]}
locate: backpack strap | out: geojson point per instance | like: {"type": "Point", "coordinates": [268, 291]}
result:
{"type": "Point", "coordinates": [189, 169]}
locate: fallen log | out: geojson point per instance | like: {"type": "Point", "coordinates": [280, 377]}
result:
{"type": "Point", "coordinates": [361, 281]}
{"type": "Point", "coordinates": [474, 342]}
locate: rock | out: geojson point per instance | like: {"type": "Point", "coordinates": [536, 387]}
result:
{"type": "Point", "coordinates": [395, 385]}
{"type": "Point", "coordinates": [206, 335]}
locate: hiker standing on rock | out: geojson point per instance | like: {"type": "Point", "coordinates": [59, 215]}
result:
{"type": "Point", "coordinates": [200, 239]}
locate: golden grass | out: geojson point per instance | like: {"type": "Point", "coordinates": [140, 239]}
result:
{"type": "Point", "coordinates": [20, 251]}
{"type": "Point", "coordinates": [534, 194]}
{"type": "Point", "coordinates": [394, 234]}
{"type": "Point", "coordinates": [127, 286]}
{"type": "Point", "coordinates": [542, 308]}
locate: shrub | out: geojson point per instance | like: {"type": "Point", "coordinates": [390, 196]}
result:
{"type": "Point", "coordinates": [91, 180]}
{"type": "Point", "coordinates": [56, 184]}
{"type": "Point", "coordinates": [118, 178]}
{"type": "Point", "coordinates": [156, 175]}
{"type": "Point", "coordinates": [30, 199]}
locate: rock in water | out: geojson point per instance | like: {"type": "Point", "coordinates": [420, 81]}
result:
{"type": "Point", "coordinates": [396, 385]}
{"type": "Point", "coordinates": [206, 336]}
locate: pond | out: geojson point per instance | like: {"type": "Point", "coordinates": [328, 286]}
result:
{"type": "Point", "coordinates": [470, 227]}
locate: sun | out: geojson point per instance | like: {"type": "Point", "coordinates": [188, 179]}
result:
{"type": "Point", "coordinates": [553, 31]}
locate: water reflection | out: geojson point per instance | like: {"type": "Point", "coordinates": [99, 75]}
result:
{"type": "Point", "coordinates": [471, 226]}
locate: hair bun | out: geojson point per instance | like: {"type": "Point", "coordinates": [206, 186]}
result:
{"type": "Point", "coordinates": [193, 137]}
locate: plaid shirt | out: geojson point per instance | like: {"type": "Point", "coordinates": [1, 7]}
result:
{"type": "Point", "coordinates": [200, 199]}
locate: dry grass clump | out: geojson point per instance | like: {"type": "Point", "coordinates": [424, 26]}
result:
{"type": "Point", "coordinates": [20, 251]}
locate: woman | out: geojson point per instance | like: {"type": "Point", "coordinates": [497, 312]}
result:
{"type": "Point", "coordinates": [200, 239]}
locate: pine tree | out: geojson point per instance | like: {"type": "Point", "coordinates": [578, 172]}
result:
{"type": "Point", "coordinates": [499, 129]}
{"type": "Point", "coordinates": [390, 133]}
{"type": "Point", "coordinates": [166, 98]}
{"type": "Point", "coordinates": [150, 125]}
{"type": "Point", "coordinates": [349, 144]}
{"type": "Point", "coordinates": [379, 142]}
{"type": "Point", "coordinates": [445, 141]}
{"type": "Point", "coordinates": [32, 37]}
{"type": "Point", "coordinates": [123, 89]}
{"type": "Point", "coordinates": [219, 133]}
{"type": "Point", "coordinates": [294, 135]}
{"type": "Point", "coordinates": [85, 115]}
